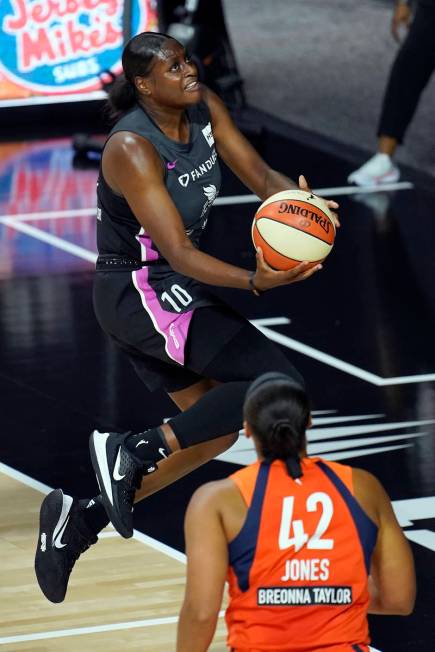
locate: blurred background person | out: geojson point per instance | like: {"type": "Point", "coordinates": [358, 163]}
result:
{"type": "Point", "coordinates": [291, 530]}
{"type": "Point", "coordinates": [410, 73]}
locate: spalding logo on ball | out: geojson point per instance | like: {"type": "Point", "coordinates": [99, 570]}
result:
{"type": "Point", "coordinates": [293, 226]}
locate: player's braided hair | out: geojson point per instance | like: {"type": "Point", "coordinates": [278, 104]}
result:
{"type": "Point", "coordinates": [137, 61]}
{"type": "Point", "coordinates": [278, 411]}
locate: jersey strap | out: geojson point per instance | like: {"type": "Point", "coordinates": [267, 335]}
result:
{"type": "Point", "coordinates": [242, 549]}
{"type": "Point", "coordinates": [367, 530]}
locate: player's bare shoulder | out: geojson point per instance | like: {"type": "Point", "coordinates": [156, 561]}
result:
{"type": "Point", "coordinates": [129, 144]}
{"type": "Point", "coordinates": [212, 494]}
{"type": "Point", "coordinates": [370, 493]}
{"type": "Point", "coordinates": [128, 155]}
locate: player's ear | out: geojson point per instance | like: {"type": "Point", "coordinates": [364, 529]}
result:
{"type": "Point", "coordinates": [142, 85]}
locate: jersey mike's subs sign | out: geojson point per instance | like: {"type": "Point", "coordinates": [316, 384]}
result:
{"type": "Point", "coordinates": [52, 47]}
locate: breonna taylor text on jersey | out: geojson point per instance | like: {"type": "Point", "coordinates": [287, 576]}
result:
{"type": "Point", "coordinates": [192, 178]}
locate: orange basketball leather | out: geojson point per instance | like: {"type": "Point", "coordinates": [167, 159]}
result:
{"type": "Point", "coordinates": [300, 216]}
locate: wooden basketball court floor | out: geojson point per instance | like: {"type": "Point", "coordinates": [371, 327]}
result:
{"type": "Point", "coordinates": [122, 595]}
{"type": "Point", "coordinates": [361, 333]}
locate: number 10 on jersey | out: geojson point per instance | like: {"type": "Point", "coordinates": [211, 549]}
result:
{"type": "Point", "coordinates": [177, 296]}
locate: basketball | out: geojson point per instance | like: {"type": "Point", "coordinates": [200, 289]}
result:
{"type": "Point", "coordinates": [293, 226]}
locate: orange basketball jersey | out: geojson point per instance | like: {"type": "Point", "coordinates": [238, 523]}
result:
{"type": "Point", "coordinates": [299, 566]}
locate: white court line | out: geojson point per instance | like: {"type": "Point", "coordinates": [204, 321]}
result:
{"type": "Point", "coordinates": [97, 629]}
{"type": "Point", "coordinates": [80, 631]}
{"type": "Point", "coordinates": [50, 239]}
{"type": "Point", "coordinates": [220, 201]}
{"type": "Point", "coordinates": [343, 455]}
{"type": "Point", "coordinates": [339, 191]}
{"type": "Point", "coordinates": [158, 545]}
{"type": "Point", "coordinates": [110, 534]}
{"type": "Point", "coordinates": [327, 359]}
{"type": "Point", "coordinates": [76, 97]}
{"type": "Point", "coordinates": [24, 479]}
{"type": "Point", "coordinates": [332, 361]}
{"type": "Point", "coordinates": [50, 215]}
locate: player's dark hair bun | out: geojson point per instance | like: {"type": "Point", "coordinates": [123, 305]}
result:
{"type": "Point", "coordinates": [278, 411]}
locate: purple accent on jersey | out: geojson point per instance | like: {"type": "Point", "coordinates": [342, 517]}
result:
{"type": "Point", "coordinates": [173, 326]}
{"type": "Point", "coordinates": [146, 246]}
{"type": "Point", "coordinates": [171, 165]}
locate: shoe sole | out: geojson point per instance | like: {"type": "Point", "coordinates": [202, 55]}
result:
{"type": "Point", "coordinates": [55, 508]}
{"type": "Point", "coordinates": [97, 449]}
{"type": "Point", "coordinates": [369, 182]}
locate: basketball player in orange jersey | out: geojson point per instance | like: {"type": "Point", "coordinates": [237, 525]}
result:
{"type": "Point", "coordinates": [308, 547]}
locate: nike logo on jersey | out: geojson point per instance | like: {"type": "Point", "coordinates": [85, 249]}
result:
{"type": "Point", "coordinates": [141, 442]}
{"type": "Point", "coordinates": [171, 164]}
{"type": "Point", "coordinates": [162, 452]}
{"type": "Point", "coordinates": [116, 468]}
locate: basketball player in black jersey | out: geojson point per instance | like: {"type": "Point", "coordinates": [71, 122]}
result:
{"type": "Point", "coordinates": [158, 178]}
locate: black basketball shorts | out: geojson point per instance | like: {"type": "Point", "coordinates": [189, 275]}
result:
{"type": "Point", "coordinates": [165, 354]}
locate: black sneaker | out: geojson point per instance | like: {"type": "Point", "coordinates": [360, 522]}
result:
{"type": "Point", "coordinates": [63, 536]}
{"type": "Point", "coordinates": [119, 474]}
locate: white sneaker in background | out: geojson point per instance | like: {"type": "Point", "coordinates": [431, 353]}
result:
{"type": "Point", "coordinates": [378, 170]}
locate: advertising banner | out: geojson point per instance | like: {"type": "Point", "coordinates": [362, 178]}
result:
{"type": "Point", "coordinates": [54, 48]}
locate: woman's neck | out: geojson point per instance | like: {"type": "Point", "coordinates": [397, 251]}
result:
{"type": "Point", "coordinates": [173, 122]}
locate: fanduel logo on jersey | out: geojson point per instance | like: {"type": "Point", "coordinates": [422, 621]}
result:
{"type": "Point", "coordinates": [184, 180]}
{"type": "Point", "coordinates": [198, 172]}
{"type": "Point", "coordinates": [208, 134]}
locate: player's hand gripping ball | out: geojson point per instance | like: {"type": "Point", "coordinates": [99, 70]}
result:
{"type": "Point", "coordinates": [293, 226]}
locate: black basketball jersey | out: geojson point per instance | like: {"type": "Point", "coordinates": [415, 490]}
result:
{"type": "Point", "coordinates": [192, 178]}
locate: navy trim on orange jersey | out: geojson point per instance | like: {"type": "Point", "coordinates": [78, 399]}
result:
{"type": "Point", "coordinates": [242, 549]}
{"type": "Point", "coordinates": [367, 530]}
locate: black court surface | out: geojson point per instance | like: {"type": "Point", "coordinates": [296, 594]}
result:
{"type": "Point", "coordinates": [361, 332]}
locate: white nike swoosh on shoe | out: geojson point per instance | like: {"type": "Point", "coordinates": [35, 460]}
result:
{"type": "Point", "coordinates": [162, 452]}
{"type": "Point", "coordinates": [99, 441]}
{"type": "Point", "coordinates": [142, 441]}
{"type": "Point", "coordinates": [116, 474]}
{"type": "Point", "coordinates": [67, 502]}
{"type": "Point", "coordinates": [58, 540]}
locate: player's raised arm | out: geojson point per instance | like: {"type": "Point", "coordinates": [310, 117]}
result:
{"type": "Point", "coordinates": [243, 159]}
